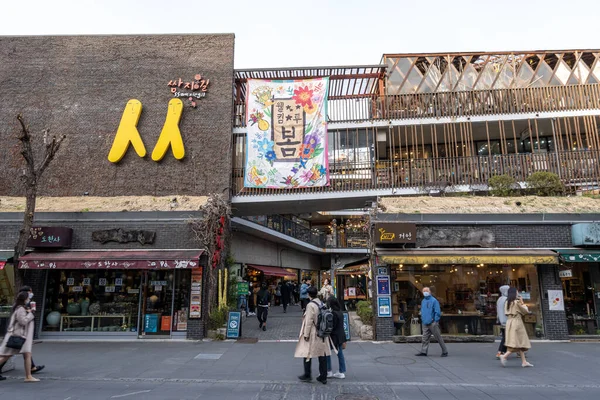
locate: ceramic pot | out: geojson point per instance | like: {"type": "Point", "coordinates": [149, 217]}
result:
{"type": "Point", "coordinates": [85, 305]}
{"type": "Point", "coordinates": [53, 318]}
{"type": "Point", "coordinates": [73, 309]}
{"type": "Point", "coordinates": [94, 309]}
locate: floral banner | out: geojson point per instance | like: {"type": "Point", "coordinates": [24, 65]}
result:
{"type": "Point", "coordinates": [287, 134]}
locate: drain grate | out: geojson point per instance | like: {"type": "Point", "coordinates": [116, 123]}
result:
{"type": "Point", "coordinates": [390, 360]}
{"type": "Point", "coordinates": [355, 397]}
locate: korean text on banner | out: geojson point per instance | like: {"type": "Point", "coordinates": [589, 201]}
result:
{"type": "Point", "coordinates": [287, 134]}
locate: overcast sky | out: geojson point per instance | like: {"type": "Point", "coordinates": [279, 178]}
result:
{"type": "Point", "coordinates": [321, 32]}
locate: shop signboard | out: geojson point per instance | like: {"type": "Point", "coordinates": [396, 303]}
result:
{"type": "Point", "coordinates": [384, 306]}
{"type": "Point", "coordinates": [586, 234]}
{"type": "Point", "coordinates": [347, 326]}
{"type": "Point", "coordinates": [234, 325]}
{"type": "Point", "coordinates": [196, 295]}
{"type": "Point", "coordinates": [567, 273]}
{"type": "Point", "coordinates": [555, 300]}
{"type": "Point", "coordinates": [394, 233]}
{"type": "Point", "coordinates": [383, 285]}
{"type": "Point", "coordinates": [242, 288]}
{"type": "Point", "coordinates": [53, 237]}
{"type": "Point", "coordinates": [382, 271]}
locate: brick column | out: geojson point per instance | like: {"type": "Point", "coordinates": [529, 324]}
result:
{"type": "Point", "coordinates": [555, 322]}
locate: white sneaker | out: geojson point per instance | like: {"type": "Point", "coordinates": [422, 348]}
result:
{"type": "Point", "coordinates": [339, 375]}
{"type": "Point", "coordinates": [329, 374]}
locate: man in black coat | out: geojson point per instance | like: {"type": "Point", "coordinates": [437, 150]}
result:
{"type": "Point", "coordinates": [286, 292]}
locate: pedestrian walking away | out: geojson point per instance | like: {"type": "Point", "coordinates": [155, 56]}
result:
{"type": "Point", "coordinates": [517, 340]}
{"type": "Point", "coordinates": [309, 344]}
{"type": "Point", "coordinates": [501, 315]}
{"type": "Point", "coordinates": [34, 368]}
{"type": "Point", "coordinates": [338, 339]}
{"type": "Point", "coordinates": [430, 318]}
{"type": "Point", "coordinates": [286, 292]}
{"type": "Point", "coordinates": [264, 300]}
{"type": "Point", "coordinates": [19, 335]}
{"type": "Point", "coordinates": [304, 293]}
{"type": "Point", "coordinates": [326, 291]}
{"type": "Point", "coordinates": [251, 299]}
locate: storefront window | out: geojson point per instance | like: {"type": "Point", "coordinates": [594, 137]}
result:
{"type": "Point", "coordinates": [580, 284]}
{"type": "Point", "coordinates": [92, 301]}
{"type": "Point", "coordinates": [467, 294]}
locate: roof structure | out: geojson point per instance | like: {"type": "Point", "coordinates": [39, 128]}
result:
{"type": "Point", "coordinates": [346, 82]}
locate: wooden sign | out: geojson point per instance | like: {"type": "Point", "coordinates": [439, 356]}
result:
{"type": "Point", "coordinates": [393, 233]}
{"type": "Point", "coordinates": [56, 237]}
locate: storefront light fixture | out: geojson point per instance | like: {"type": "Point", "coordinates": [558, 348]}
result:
{"type": "Point", "coordinates": [426, 265]}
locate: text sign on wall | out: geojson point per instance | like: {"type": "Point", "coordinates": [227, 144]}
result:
{"type": "Point", "coordinates": [50, 237]}
{"type": "Point", "coordinates": [390, 233]}
{"type": "Point", "coordinates": [384, 306]}
{"type": "Point", "coordinates": [586, 234]}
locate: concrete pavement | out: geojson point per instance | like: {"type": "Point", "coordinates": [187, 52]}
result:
{"type": "Point", "coordinates": [233, 370]}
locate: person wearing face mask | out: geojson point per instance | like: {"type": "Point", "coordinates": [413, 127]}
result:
{"type": "Point", "coordinates": [34, 368]}
{"type": "Point", "coordinates": [430, 318]}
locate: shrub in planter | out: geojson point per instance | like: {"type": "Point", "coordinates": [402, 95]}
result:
{"type": "Point", "coordinates": [217, 318]}
{"type": "Point", "coordinates": [545, 184]}
{"type": "Point", "coordinates": [364, 311]}
{"type": "Point", "coordinates": [502, 185]}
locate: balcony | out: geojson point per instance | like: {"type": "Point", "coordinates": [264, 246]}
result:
{"type": "Point", "coordinates": [286, 226]}
{"type": "Point", "coordinates": [456, 104]}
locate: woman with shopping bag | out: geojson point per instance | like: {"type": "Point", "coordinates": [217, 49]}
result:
{"type": "Point", "coordinates": [19, 336]}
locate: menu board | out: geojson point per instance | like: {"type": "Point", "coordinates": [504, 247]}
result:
{"type": "Point", "coordinates": [196, 294]}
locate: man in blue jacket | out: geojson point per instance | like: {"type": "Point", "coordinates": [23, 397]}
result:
{"type": "Point", "coordinates": [430, 318]}
{"type": "Point", "coordinates": [304, 293]}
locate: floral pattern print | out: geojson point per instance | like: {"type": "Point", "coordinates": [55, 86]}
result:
{"type": "Point", "coordinates": [287, 134]}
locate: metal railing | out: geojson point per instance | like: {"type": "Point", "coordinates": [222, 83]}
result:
{"type": "Point", "coordinates": [573, 167]}
{"type": "Point", "coordinates": [455, 104]}
{"type": "Point", "coordinates": [318, 239]}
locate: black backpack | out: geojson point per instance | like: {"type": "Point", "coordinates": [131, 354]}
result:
{"type": "Point", "coordinates": [324, 321]}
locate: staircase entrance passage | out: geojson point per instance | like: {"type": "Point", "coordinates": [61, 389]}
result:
{"type": "Point", "coordinates": [280, 325]}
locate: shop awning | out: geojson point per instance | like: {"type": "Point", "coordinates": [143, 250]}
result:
{"type": "Point", "coordinates": [469, 256]}
{"type": "Point", "coordinates": [579, 255]}
{"type": "Point", "coordinates": [5, 255]}
{"type": "Point", "coordinates": [273, 271]}
{"type": "Point", "coordinates": [124, 259]}
{"type": "Point", "coordinates": [353, 270]}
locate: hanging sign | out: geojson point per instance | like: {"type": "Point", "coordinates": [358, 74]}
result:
{"type": "Point", "coordinates": [567, 273]}
{"type": "Point", "coordinates": [234, 325]}
{"type": "Point", "coordinates": [287, 134]}
{"type": "Point", "coordinates": [555, 300]}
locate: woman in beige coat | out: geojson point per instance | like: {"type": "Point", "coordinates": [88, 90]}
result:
{"type": "Point", "coordinates": [309, 344]}
{"type": "Point", "coordinates": [21, 324]}
{"type": "Point", "coordinates": [517, 340]}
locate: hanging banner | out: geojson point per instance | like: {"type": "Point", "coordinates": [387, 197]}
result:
{"type": "Point", "coordinates": [287, 134]}
{"type": "Point", "coordinates": [555, 300]}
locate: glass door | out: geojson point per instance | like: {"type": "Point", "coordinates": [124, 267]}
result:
{"type": "Point", "coordinates": [157, 304]}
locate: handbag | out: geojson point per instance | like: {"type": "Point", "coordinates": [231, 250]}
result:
{"type": "Point", "coordinates": [14, 342]}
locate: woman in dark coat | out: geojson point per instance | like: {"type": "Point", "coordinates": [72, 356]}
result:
{"type": "Point", "coordinates": [338, 338]}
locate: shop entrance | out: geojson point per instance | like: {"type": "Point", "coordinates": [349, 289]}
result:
{"type": "Point", "coordinates": [157, 304]}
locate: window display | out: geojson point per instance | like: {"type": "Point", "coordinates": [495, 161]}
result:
{"type": "Point", "coordinates": [467, 295]}
{"type": "Point", "coordinates": [92, 301]}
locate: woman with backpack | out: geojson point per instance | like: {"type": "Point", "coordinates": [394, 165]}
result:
{"type": "Point", "coordinates": [19, 335]}
{"type": "Point", "coordinates": [338, 339]}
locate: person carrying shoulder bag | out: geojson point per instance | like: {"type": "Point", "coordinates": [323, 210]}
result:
{"type": "Point", "coordinates": [19, 336]}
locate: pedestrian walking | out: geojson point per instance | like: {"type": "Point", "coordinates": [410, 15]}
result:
{"type": "Point", "coordinates": [501, 316]}
{"type": "Point", "coordinates": [251, 299]}
{"type": "Point", "coordinates": [517, 340]}
{"type": "Point", "coordinates": [326, 291]}
{"type": "Point", "coordinates": [309, 344]}
{"type": "Point", "coordinates": [338, 339]}
{"type": "Point", "coordinates": [264, 300]}
{"type": "Point", "coordinates": [21, 326]}
{"type": "Point", "coordinates": [286, 292]}
{"type": "Point", "coordinates": [34, 368]}
{"type": "Point", "coordinates": [278, 294]}
{"type": "Point", "coordinates": [430, 318]}
{"type": "Point", "coordinates": [304, 293]}
{"type": "Point", "coordinates": [296, 293]}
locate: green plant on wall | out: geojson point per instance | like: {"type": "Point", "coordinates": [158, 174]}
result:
{"type": "Point", "coordinates": [545, 184]}
{"type": "Point", "coordinates": [364, 311]}
{"type": "Point", "coordinates": [502, 185]}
